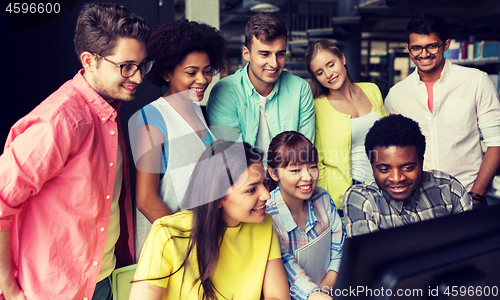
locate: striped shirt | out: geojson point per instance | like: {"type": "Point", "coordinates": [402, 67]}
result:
{"type": "Point", "coordinates": [367, 208]}
{"type": "Point", "coordinates": [321, 215]}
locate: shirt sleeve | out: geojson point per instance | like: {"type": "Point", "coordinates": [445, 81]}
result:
{"type": "Point", "coordinates": [461, 200]}
{"type": "Point", "coordinates": [157, 256]}
{"type": "Point", "coordinates": [222, 113]}
{"type": "Point", "coordinates": [388, 103]}
{"type": "Point", "coordinates": [37, 150]}
{"type": "Point", "coordinates": [358, 213]}
{"type": "Point", "coordinates": [306, 122]}
{"type": "Point", "coordinates": [149, 140]}
{"type": "Point", "coordinates": [488, 111]}
{"type": "Point", "coordinates": [338, 238]}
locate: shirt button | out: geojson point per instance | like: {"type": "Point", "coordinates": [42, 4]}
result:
{"type": "Point", "coordinates": [256, 124]}
{"type": "Point", "coordinates": [110, 164]}
{"type": "Point", "coordinates": [103, 119]}
{"type": "Point", "coordinates": [112, 132]}
{"type": "Point", "coordinates": [108, 196]}
{"type": "Point", "coordinates": [95, 263]}
{"type": "Point", "coordinates": [102, 229]}
{"type": "Point", "coordinates": [85, 298]}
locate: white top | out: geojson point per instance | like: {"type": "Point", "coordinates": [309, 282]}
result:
{"type": "Point", "coordinates": [184, 149]}
{"type": "Point", "coordinates": [466, 104]}
{"type": "Point", "coordinates": [263, 135]}
{"type": "Point", "coordinates": [113, 231]}
{"type": "Point", "coordinates": [360, 165]}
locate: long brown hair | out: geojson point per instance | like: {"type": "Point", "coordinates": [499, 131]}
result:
{"type": "Point", "coordinates": [288, 147]}
{"type": "Point", "coordinates": [317, 88]}
{"type": "Point", "coordinates": [218, 168]}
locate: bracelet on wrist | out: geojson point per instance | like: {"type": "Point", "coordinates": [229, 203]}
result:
{"type": "Point", "coordinates": [477, 197]}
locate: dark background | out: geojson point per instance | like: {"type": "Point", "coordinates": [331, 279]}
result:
{"type": "Point", "coordinates": [38, 56]}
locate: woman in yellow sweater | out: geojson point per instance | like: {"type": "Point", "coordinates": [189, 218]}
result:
{"type": "Point", "coordinates": [345, 111]}
{"type": "Point", "coordinates": [224, 245]}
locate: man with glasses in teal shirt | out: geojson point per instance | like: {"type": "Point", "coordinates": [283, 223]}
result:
{"type": "Point", "coordinates": [261, 100]}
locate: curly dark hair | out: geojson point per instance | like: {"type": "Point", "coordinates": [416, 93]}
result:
{"type": "Point", "coordinates": [395, 130]}
{"type": "Point", "coordinates": [170, 42]}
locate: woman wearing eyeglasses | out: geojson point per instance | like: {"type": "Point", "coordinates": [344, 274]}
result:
{"type": "Point", "coordinates": [345, 111]}
{"type": "Point", "coordinates": [169, 134]}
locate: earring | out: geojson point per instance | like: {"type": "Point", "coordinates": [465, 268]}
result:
{"type": "Point", "coordinates": [167, 79]}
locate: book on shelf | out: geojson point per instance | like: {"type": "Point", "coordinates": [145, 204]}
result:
{"type": "Point", "coordinates": [460, 50]}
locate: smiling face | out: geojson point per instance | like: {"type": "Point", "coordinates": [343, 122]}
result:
{"type": "Point", "coordinates": [247, 203]}
{"type": "Point", "coordinates": [329, 69]}
{"type": "Point", "coordinates": [194, 73]}
{"type": "Point", "coordinates": [397, 170]}
{"type": "Point", "coordinates": [429, 65]}
{"type": "Point", "coordinates": [105, 77]}
{"type": "Point", "coordinates": [267, 60]}
{"type": "Point", "coordinates": [296, 181]}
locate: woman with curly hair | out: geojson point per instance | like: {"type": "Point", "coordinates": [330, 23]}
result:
{"type": "Point", "coordinates": [169, 134]}
{"type": "Point", "coordinates": [345, 111]}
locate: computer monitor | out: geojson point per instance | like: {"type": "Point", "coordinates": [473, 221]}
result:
{"type": "Point", "coordinates": [451, 257]}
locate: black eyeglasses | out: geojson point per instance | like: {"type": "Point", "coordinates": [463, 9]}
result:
{"type": "Point", "coordinates": [129, 70]}
{"type": "Point", "coordinates": [431, 49]}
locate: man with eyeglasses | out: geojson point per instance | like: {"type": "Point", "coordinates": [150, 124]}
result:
{"type": "Point", "coordinates": [454, 106]}
{"type": "Point", "coordinates": [65, 208]}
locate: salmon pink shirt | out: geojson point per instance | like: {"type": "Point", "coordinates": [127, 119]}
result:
{"type": "Point", "coordinates": [56, 186]}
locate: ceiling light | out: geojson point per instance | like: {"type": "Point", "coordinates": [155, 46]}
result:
{"type": "Point", "coordinates": [264, 7]}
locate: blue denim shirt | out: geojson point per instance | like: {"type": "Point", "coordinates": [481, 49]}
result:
{"type": "Point", "coordinates": [233, 107]}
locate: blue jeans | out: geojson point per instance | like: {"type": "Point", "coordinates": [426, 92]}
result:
{"type": "Point", "coordinates": [103, 290]}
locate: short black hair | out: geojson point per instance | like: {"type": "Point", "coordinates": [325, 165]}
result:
{"type": "Point", "coordinates": [395, 130]}
{"type": "Point", "coordinates": [427, 23]}
{"type": "Point", "coordinates": [172, 41]}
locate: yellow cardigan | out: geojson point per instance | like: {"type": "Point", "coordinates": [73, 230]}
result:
{"type": "Point", "coordinates": [333, 141]}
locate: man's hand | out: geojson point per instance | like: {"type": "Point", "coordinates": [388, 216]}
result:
{"type": "Point", "coordinates": [17, 296]}
{"type": "Point", "coordinates": [8, 283]}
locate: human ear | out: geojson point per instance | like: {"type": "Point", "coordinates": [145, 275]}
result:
{"type": "Point", "coordinates": [88, 61]}
{"type": "Point", "coordinates": [272, 173]}
{"type": "Point", "coordinates": [166, 77]}
{"type": "Point", "coordinates": [446, 45]}
{"type": "Point", "coordinates": [246, 54]}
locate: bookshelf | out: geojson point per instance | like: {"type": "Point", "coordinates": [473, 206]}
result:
{"type": "Point", "coordinates": [484, 55]}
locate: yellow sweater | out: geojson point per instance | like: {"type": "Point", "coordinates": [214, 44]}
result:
{"type": "Point", "coordinates": [333, 141]}
{"type": "Point", "coordinates": [240, 270]}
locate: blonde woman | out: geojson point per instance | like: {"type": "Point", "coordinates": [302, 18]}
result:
{"type": "Point", "coordinates": [345, 111]}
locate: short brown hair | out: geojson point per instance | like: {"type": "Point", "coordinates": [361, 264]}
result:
{"type": "Point", "coordinates": [264, 26]}
{"type": "Point", "coordinates": [99, 26]}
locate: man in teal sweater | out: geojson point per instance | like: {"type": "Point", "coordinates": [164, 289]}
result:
{"type": "Point", "coordinates": [261, 100]}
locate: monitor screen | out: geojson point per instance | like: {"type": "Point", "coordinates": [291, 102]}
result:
{"type": "Point", "coordinates": [452, 257]}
